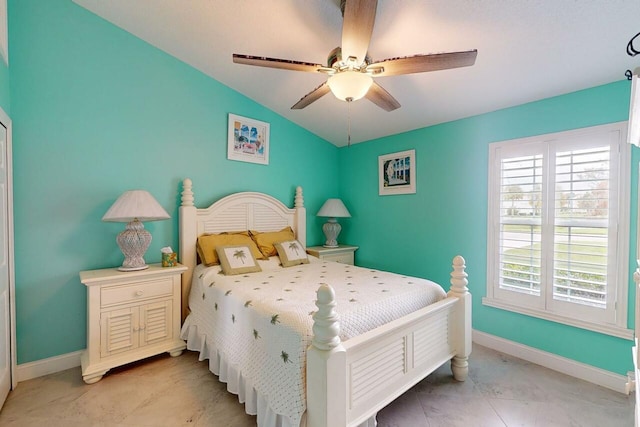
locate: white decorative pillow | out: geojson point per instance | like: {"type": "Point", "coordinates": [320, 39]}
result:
{"type": "Point", "coordinates": [291, 253]}
{"type": "Point", "coordinates": [237, 259]}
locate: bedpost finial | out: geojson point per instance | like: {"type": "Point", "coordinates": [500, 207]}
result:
{"type": "Point", "coordinates": [459, 280]}
{"type": "Point", "coordinates": [326, 328]}
{"type": "Point", "coordinates": [325, 294]}
{"type": "Point", "coordinates": [187, 193]}
{"type": "Point", "coordinates": [299, 200]}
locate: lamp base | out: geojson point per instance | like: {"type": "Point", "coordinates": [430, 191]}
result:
{"type": "Point", "coordinates": [331, 229]}
{"type": "Point", "coordinates": [134, 242]}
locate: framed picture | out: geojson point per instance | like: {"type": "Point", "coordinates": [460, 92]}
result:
{"type": "Point", "coordinates": [248, 140]}
{"type": "Point", "coordinates": [397, 173]}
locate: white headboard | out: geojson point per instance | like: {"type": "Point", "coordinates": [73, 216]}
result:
{"type": "Point", "coordinates": [236, 212]}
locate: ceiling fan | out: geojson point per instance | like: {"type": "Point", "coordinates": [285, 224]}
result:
{"type": "Point", "coordinates": [349, 68]}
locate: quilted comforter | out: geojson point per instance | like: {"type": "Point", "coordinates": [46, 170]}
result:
{"type": "Point", "coordinates": [258, 325]}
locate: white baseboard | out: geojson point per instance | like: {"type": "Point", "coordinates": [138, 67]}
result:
{"type": "Point", "coordinates": [561, 364]}
{"type": "Point", "coordinates": [39, 368]}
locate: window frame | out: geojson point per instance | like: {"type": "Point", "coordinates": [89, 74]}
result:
{"type": "Point", "coordinates": [612, 321]}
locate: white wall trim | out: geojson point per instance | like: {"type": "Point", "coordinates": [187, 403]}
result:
{"type": "Point", "coordinates": [552, 361]}
{"type": "Point", "coordinates": [6, 121]}
{"type": "Point", "coordinates": [51, 365]}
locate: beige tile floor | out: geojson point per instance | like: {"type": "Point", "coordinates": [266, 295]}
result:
{"type": "Point", "coordinates": [165, 391]}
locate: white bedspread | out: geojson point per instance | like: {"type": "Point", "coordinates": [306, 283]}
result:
{"type": "Point", "coordinates": [259, 324]}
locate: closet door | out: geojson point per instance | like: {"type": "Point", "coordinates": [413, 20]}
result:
{"type": "Point", "coordinates": [6, 289]}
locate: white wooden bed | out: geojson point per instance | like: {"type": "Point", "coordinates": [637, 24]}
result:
{"type": "Point", "coordinates": [388, 360]}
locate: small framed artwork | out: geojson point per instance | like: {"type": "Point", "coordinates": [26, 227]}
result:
{"type": "Point", "coordinates": [397, 173]}
{"type": "Point", "coordinates": [248, 140]}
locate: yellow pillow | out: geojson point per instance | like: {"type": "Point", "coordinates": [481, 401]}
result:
{"type": "Point", "coordinates": [206, 245]}
{"type": "Point", "coordinates": [265, 241]}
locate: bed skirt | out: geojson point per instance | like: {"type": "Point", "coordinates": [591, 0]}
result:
{"type": "Point", "coordinates": [254, 402]}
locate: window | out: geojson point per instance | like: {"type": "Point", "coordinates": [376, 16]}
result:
{"type": "Point", "coordinates": [558, 227]}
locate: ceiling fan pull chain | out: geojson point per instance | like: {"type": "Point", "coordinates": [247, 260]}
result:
{"type": "Point", "coordinates": [349, 100]}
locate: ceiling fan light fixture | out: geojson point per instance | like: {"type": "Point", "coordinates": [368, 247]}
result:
{"type": "Point", "coordinates": [349, 84]}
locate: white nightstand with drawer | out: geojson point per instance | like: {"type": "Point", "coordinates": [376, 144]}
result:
{"type": "Point", "coordinates": [343, 253]}
{"type": "Point", "coordinates": [130, 315]}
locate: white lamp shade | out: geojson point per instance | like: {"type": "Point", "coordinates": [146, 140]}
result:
{"type": "Point", "coordinates": [334, 208]}
{"type": "Point", "coordinates": [135, 204]}
{"type": "Point", "coordinates": [351, 85]}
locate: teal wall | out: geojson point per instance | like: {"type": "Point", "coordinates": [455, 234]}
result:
{"type": "Point", "coordinates": [95, 112]}
{"type": "Point", "coordinates": [4, 87]}
{"type": "Point", "coordinates": [419, 234]}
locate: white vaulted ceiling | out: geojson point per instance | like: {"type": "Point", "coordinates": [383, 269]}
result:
{"type": "Point", "coordinates": [527, 50]}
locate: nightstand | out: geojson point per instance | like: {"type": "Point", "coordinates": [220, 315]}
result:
{"type": "Point", "coordinates": [130, 315]}
{"type": "Point", "coordinates": [343, 253]}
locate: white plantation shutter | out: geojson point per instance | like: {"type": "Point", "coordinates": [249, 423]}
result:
{"type": "Point", "coordinates": [516, 266]}
{"type": "Point", "coordinates": [554, 207]}
{"type": "Point", "coordinates": [581, 238]}
{"type": "Point", "coordinates": [520, 224]}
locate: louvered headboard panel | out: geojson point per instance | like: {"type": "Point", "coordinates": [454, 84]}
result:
{"type": "Point", "coordinates": [236, 212]}
{"type": "Point", "coordinates": [246, 211]}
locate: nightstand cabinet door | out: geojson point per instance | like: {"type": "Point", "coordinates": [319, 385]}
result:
{"type": "Point", "coordinates": [155, 323]}
{"type": "Point", "coordinates": [118, 331]}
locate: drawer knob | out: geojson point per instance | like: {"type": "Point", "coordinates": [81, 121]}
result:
{"type": "Point", "coordinates": [138, 293]}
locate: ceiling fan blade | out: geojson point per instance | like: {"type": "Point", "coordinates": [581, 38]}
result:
{"type": "Point", "coordinates": [312, 96]}
{"type": "Point", "coordinates": [357, 26]}
{"type": "Point", "coordinates": [423, 63]}
{"type": "Point", "coordinates": [383, 99]}
{"type": "Point", "coordinates": [284, 64]}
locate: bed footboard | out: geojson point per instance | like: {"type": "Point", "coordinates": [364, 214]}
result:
{"type": "Point", "coordinates": [349, 382]}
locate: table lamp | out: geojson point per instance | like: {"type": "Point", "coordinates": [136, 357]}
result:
{"type": "Point", "coordinates": [332, 208]}
{"type": "Point", "coordinates": [133, 207]}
